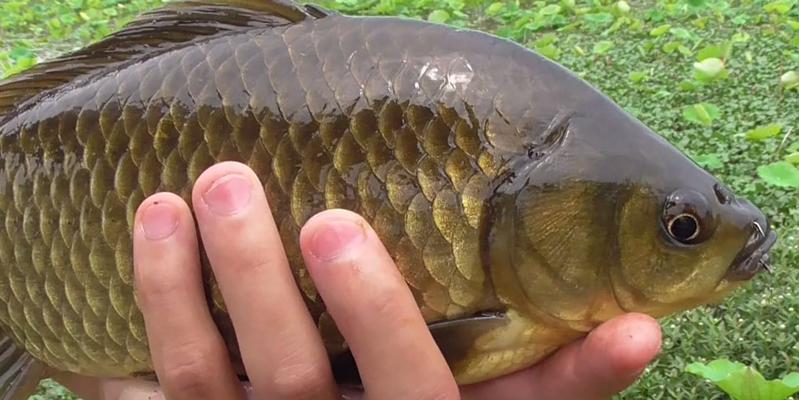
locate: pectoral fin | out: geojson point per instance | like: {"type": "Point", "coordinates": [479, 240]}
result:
{"type": "Point", "coordinates": [455, 339]}
{"type": "Point", "coordinates": [20, 373]}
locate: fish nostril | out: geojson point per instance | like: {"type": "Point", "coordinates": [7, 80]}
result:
{"type": "Point", "coordinates": [722, 193]}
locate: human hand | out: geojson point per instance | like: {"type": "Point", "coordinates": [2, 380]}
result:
{"type": "Point", "coordinates": [280, 345]}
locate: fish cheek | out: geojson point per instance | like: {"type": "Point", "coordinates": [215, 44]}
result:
{"type": "Point", "coordinates": [561, 265]}
{"type": "Point", "coordinates": [653, 273]}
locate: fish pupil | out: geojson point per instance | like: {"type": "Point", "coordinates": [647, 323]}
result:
{"type": "Point", "coordinates": [684, 227]}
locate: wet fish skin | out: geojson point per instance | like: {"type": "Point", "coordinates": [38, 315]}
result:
{"type": "Point", "coordinates": [495, 178]}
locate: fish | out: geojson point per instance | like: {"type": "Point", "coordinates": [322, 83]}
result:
{"type": "Point", "coordinates": [522, 206]}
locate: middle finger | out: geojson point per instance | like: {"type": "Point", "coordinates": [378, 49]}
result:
{"type": "Point", "coordinates": [280, 346]}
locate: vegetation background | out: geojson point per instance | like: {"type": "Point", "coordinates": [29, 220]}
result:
{"type": "Point", "coordinates": [715, 77]}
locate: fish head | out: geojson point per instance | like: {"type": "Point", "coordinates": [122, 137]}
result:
{"type": "Point", "coordinates": [684, 238]}
{"type": "Point", "coordinates": [612, 218]}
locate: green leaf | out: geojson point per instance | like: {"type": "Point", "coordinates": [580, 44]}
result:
{"type": "Point", "coordinates": [764, 132]}
{"type": "Point", "coordinates": [671, 47]}
{"type": "Point", "coordinates": [708, 68]}
{"type": "Point", "coordinates": [794, 24]}
{"type": "Point", "coordinates": [546, 40]}
{"type": "Point", "coordinates": [789, 80]}
{"type": "Point", "coordinates": [780, 6]}
{"type": "Point", "coordinates": [784, 174]}
{"type": "Point", "coordinates": [599, 20]}
{"type": "Point", "coordinates": [549, 51]}
{"type": "Point", "coordinates": [793, 158]}
{"type": "Point", "coordinates": [682, 33]}
{"type": "Point", "coordinates": [687, 86]}
{"type": "Point", "coordinates": [552, 9]}
{"type": "Point", "coordinates": [637, 76]}
{"type": "Point", "coordinates": [721, 51]}
{"type": "Point", "coordinates": [623, 6]}
{"type": "Point", "coordinates": [438, 16]}
{"type": "Point", "coordinates": [603, 47]}
{"type": "Point", "coordinates": [709, 161]}
{"type": "Point", "coordinates": [702, 113]}
{"type": "Point", "coordinates": [741, 37]}
{"type": "Point", "coordinates": [660, 30]}
{"type": "Point", "coordinates": [495, 9]}
{"type": "Point", "coordinates": [738, 380]}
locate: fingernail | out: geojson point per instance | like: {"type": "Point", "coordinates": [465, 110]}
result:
{"type": "Point", "coordinates": [335, 237]}
{"type": "Point", "coordinates": [159, 220]}
{"type": "Point", "coordinates": [228, 195]}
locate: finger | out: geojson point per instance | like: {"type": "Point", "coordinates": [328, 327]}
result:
{"type": "Point", "coordinates": [189, 355]}
{"type": "Point", "coordinates": [280, 345]}
{"type": "Point", "coordinates": [374, 310]}
{"type": "Point", "coordinates": [603, 364]}
{"type": "Point", "coordinates": [91, 388]}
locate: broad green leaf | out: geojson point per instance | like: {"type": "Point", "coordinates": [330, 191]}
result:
{"type": "Point", "coordinates": [780, 6]}
{"type": "Point", "coordinates": [790, 80]}
{"type": "Point", "coordinates": [599, 20]}
{"type": "Point", "coordinates": [738, 380]}
{"type": "Point", "coordinates": [795, 41]}
{"type": "Point", "coordinates": [710, 161]}
{"type": "Point", "coordinates": [793, 158]}
{"type": "Point", "coordinates": [702, 113]}
{"type": "Point", "coordinates": [603, 47]}
{"type": "Point", "coordinates": [438, 16]}
{"type": "Point", "coordinates": [660, 30]}
{"type": "Point", "coordinates": [721, 52]}
{"type": "Point", "coordinates": [784, 174]}
{"type": "Point", "coordinates": [708, 68]}
{"type": "Point", "coordinates": [794, 24]}
{"type": "Point", "coordinates": [549, 51]}
{"type": "Point", "coordinates": [764, 132]}
{"type": "Point", "coordinates": [623, 6]}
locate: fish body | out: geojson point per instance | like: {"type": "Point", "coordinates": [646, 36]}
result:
{"type": "Point", "coordinates": [522, 206]}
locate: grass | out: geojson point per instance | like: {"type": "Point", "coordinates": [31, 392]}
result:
{"type": "Point", "coordinates": [641, 54]}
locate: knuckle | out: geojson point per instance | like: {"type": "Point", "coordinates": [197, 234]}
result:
{"type": "Point", "coordinates": [300, 381]}
{"type": "Point", "coordinates": [186, 374]}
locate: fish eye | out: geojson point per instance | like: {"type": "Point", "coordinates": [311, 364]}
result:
{"type": "Point", "coordinates": [684, 228]}
{"type": "Point", "coordinates": [687, 217]}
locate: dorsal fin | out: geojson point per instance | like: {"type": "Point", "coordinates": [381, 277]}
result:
{"type": "Point", "coordinates": [162, 28]}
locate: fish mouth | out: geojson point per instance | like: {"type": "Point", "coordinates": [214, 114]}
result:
{"type": "Point", "coordinates": [754, 257]}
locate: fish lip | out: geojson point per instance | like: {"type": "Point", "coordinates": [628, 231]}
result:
{"type": "Point", "coordinates": [754, 257]}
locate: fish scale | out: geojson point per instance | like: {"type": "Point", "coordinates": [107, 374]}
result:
{"type": "Point", "coordinates": [136, 133]}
